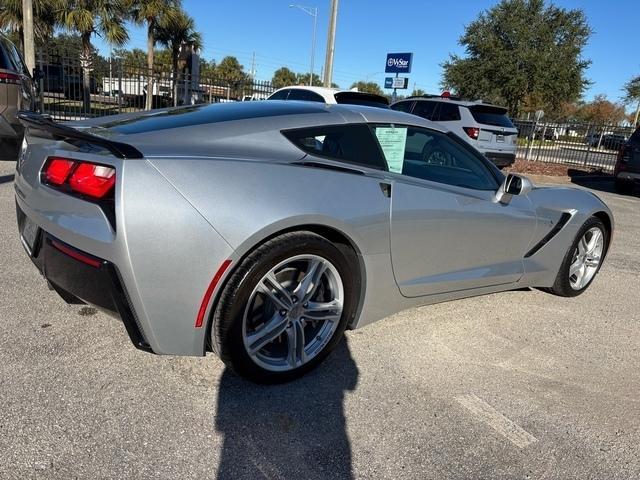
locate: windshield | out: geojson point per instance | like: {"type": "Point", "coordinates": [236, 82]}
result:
{"type": "Point", "coordinates": [490, 115]}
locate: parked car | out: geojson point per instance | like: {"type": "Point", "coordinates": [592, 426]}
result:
{"type": "Point", "coordinates": [261, 230]}
{"type": "Point", "coordinates": [610, 141]}
{"type": "Point", "coordinates": [627, 171]}
{"type": "Point", "coordinates": [330, 96]}
{"type": "Point", "coordinates": [66, 80]}
{"type": "Point", "coordinates": [17, 92]}
{"type": "Point", "coordinates": [486, 127]}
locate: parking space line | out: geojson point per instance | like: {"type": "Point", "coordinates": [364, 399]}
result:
{"type": "Point", "coordinates": [501, 424]}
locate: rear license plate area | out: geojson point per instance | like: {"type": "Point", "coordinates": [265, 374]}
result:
{"type": "Point", "coordinates": [29, 234]}
{"type": "Point", "coordinates": [500, 138]}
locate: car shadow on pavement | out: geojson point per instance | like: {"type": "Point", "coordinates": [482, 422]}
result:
{"type": "Point", "coordinates": [295, 430]}
{"type": "Point", "coordinates": [6, 178]}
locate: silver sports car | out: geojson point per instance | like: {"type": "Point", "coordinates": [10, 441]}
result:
{"type": "Point", "coordinates": [262, 230]}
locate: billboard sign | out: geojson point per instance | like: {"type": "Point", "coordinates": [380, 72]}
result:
{"type": "Point", "coordinates": [398, 63]}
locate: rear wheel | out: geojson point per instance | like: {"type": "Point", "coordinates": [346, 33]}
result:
{"type": "Point", "coordinates": [583, 259]}
{"type": "Point", "coordinates": [285, 308]}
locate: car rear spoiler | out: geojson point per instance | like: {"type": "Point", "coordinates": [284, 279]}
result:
{"type": "Point", "coordinates": [42, 123]}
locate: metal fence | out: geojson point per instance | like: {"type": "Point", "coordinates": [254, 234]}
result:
{"type": "Point", "coordinates": [586, 145]}
{"type": "Point", "coordinates": [116, 87]}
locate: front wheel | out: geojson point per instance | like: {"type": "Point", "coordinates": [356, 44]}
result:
{"type": "Point", "coordinates": [583, 259]}
{"type": "Point", "coordinates": [284, 308]}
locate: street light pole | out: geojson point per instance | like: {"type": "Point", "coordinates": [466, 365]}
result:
{"type": "Point", "coordinates": [312, 11]}
{"type": "Point", "coordinates": [331, 43]}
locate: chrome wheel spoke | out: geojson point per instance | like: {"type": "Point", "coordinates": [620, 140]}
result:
{"type": "Point", "coordinates": [594, 242]}
{"type": "Point", "coordinates": [267, 333]}
{"type": "Point", "coordinates": [575, 268]}
{"type": "Point", "coordinates": [582, 246]}
{"type": "Point", "coordinates": [592, 261]}
{"type": "Point", "coordinates": [296, 343]}
{"type": "Point", "coordinates": [310, 282]}
{"type": "Point", "coordinates": [279, 295]}
{"type": "Point", "coordinates": [325, 311]}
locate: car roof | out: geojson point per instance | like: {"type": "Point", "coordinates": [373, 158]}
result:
{"type": "Point", "coordinates": [280, 113]}
{"type": "Point", "coordinates": [320, 90]}
{"type": "Point", "coordinates": [464, 103]}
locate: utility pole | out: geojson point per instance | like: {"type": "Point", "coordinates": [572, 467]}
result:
{"type": "Point", "coordinates": [331, 44]}
{"type": "Point", "coordinates": [27, 26]}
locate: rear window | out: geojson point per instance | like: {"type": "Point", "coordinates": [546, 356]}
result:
{"type": "Point", "coordinates": [360, 98]}
{"type": "Point", "coordinates": [279, 95]}
{"type": "Point", "coordinates": [425, 109]}
{"type": "Point", "coordinates": [448, 112]}
{"type": "Point", "coordinates": [347, 143]}
{"type": "Point", "coordinates": [304, 95]}
{"type": "Point", "coordinates": [489, 115]}
{"type": "Point", "coordinates": [402, 106]}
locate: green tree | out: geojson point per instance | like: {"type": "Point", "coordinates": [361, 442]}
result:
{"type": "Point", "coordinates": [632, 95]}
{"type": "Point", "coordinates": [11, 20]}
{"type": "Point", "coordinates": [155, 14]}
{"type": "Point", "coordinates": [367, 87]}
{"type": "Point", "coordinates": [230, 71]}
{"type": "Point", "coordinates": [418, 92]}
{"type": "Point", "coordinates": [303, 79]}
{"type": "Point", "coordinates": [88, 17]}
{"type": "Point", "coordinates": [283, 77]}
{"type": "Point", "coordinates": [524, 54]}
{"type": "Point", "coordinates": [173, 35]}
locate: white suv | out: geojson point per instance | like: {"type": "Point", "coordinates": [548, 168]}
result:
{"type": "Point", "coordinates": [330, 96]}
{"type": "Point", "coordinates": [484, 126]}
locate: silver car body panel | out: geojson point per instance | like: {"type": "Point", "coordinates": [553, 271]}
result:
{"type": "Point", "coordinates": [208, 192]}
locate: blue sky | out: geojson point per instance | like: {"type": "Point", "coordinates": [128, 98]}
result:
{"type": "Point", "coordinates": [368, 29]}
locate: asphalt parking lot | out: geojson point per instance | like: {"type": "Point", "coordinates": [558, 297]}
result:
{"type": "Point", "coordinates": [515, 385]}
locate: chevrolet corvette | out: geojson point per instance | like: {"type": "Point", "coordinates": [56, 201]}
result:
{"type": "Point", "coordinates": [260, 231]}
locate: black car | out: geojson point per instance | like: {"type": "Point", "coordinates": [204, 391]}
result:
{"type": "Point", "coordinates": [627, 171]}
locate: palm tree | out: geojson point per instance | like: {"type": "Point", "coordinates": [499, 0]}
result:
{"type": "Point", "coordinates": [155, 14]}
{"type": "Point", "coordinates": [173, 36]}
{"type": "Point", "coordinates": [86, 17]}
{"type": "Point", "coordinates": [11, 19]}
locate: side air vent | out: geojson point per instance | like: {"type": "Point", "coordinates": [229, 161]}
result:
{"type": "Point", "coordinates": [564, 218]}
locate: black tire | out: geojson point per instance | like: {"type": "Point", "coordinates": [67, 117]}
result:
{"type": "Point", "coordinates": [226, 335]}
{"type": "Point", "coordinates": [623, 186]}
{"type": "Point", "coordinates": [562, 286]}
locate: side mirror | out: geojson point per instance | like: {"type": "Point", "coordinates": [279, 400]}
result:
{"type": "Point", "coordinates": [513, 185]}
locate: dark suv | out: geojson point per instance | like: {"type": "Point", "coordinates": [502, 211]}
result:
{"type": "Point", "coordinates": [627, 172]}
{"type": "Point", "coordinates": [17, 92]}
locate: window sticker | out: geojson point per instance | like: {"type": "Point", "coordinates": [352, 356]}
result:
{"type": "Point", "coordinates": [393, 141]}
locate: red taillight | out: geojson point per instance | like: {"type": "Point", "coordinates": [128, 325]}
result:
{"type": "Point", "coordinates": [90, 179]}
{"type": "Point", "coordinates": [58, 170]}
{"type": "Point", "coordinates": [76, 254]}
{"type": "Point", "coordinates": [446, 94]}
{"type": "Point", "coordinates": [93, 180]}
{"type": "Point", "coordinates": [6, 77]}
{"type": "Point", "coordinates": [473, 132]}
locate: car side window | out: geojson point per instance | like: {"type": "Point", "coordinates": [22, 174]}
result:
{"type": "Point", "coordinates": [305, 95]}
{"type": "Point", "coordinates": [402, 106]}
{"type": "Point", "coordinates": [448, 112]}
{"type": "Point", "coordinates": [352, 143]}
{"type": "Point", "coordinates": [425, 110]}
{"type": "Point", "coordinates": [280, 95]}
{"type": "Point", "coordinates": [434, 156]}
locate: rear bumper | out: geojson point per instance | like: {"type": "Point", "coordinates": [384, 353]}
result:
{"type": "Point", "coordinates": [77, 281]}
{"type": "Point", "coordinates": [501, 159]}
